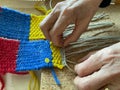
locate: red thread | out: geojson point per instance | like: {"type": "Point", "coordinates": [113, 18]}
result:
{"type": "Point", "coordinates": [20, 73]}
{"type": "Point", "coordinates": [8, 55]}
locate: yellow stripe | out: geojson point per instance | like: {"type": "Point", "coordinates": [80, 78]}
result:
{"type": "Point", "coordinates": [35, 31]}
{"type": "Point", "coordinates": [36, 34]}
{"type": "Point", "coordinates": [34, 83]}
{"type": "Point", "coordinates": [57, 58]}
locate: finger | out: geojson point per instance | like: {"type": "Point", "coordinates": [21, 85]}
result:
{"type": "Point", "coordinates": [95, 62]}
{"type": "Point", "coordinates": [59, 27]}
{"type": "Point", "coordinates": [48, 23]}
{"type": "Point", "coordinates": [87, 56]}
{"type": "Point", "coordinates": [92, 82]}
{"type": "Point", "coordinates": [88, 66]}
{"type": "Point", "coordinates": [80, 27]}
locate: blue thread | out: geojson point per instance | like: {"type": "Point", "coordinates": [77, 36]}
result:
{"type": "Point", "coordinates": [32, 54]}
{"type": "Point", "coordinates": [55, 77]}
{"type": "Point", "coordinates": [14, 24]}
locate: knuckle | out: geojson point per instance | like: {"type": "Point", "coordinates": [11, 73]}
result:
{"type": "Point", "coordinates": [68, 12]}
{"type": "Point", "coordinates": [55, 11]}
{"type": "Point", "coordinates": [75, 39]}
{"type": "Point", "coordinates": [84, 87]}
{"type": "Point", "coordinates": [58, 5]}
{"type": "Point", "coordinates": [81, 85]}
{"type": "Point", "coordinates": [56, 44]}
{"type": "Point", "coordinates": [105, 55]}
{"type": "Point", "coordinates": [79, 70]}
{"type": "Point", "coordinates": [41, 26]}
{"type": "Point", "coordinates": [109, 51]}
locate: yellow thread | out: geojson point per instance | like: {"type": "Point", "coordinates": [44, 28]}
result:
{"type": "Point", "coordinates": [47, 60]}
{"type": "Point", "coordinates": [41, 8]}
{"type": "Point", "coordinates": [34, 82]}
{"type": "Point", "coordinates": [57, 58]}
{"type": "Point", "coordinates": [35, 31]}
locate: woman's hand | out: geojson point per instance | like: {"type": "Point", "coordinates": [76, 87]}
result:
{"type": "Point", "coordinates": [100, 70]}
{"type": "Point", "coordinates": [79, 12]}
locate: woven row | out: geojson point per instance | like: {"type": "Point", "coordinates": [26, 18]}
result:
{"type": "Point", "coordinates": [8, 52]}
{"type": "Point", "coordinates": [17, 25]}
{"type": "Point", "coordinates": [31, 55]}
{"type": "Point", "coordinates": [14, 24]}
{"type": "Point", "coordinates": [24, 55]}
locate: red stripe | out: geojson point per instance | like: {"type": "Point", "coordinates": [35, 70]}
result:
{"type": "Point", "coordinates": [20, 73]}
{"type": "Point", "coordinates": [8, 55]}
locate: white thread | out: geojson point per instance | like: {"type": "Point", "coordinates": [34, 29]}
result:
{"type": "Point", "coordinates": [50, 4]}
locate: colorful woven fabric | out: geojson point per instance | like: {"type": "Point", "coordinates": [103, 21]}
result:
{"type": "Point", "coordinates": [14, 24]}
{"type": "Point", "coordinates": [24, 55]}
{"type": "Point", "coordinates": [29, 45]}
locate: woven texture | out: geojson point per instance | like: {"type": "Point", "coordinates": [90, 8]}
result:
{"type": "Point", "coordinates": [57, 60]}
{"type": "Point", "coordinates": [32, 55]}
{"type": "Point", "coordinates": [8, 52]}
{"type": "Point", "coordinates": [35, 32]}
{"type": "Point", "coordinates": [14, 24]}
{"type": "Point", "coordinates": [34, 52]}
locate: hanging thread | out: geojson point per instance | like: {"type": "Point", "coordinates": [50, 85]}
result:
{"type": "Point", "coordinates": [34, 83]}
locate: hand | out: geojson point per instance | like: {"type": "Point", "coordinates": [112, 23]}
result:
{"type": "Point", "coordinates": [79, 12]}
{"type": "Point", "coordinates": [100, 70]}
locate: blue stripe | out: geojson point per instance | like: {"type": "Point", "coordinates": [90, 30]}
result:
{"type": "Point", "coordinates": [14, 24]}
{"type": "Point", "coordinates": [55, 77]}
{"type": "Point", "coordinates": [32, 54]}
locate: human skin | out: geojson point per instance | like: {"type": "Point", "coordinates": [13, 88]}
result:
{"type": "Point", "coordinates": [79, 12]}
{"type": "Point", "coordinates": [98, 70]}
